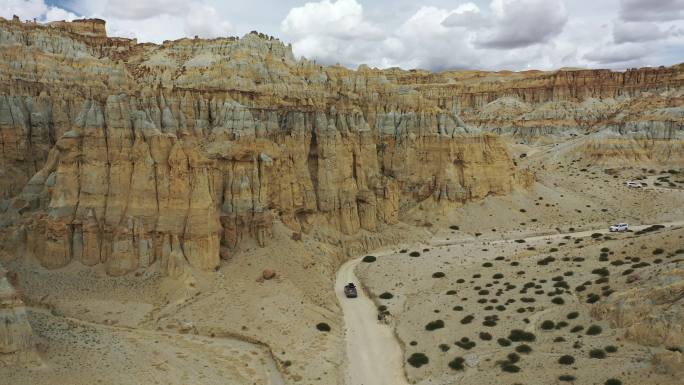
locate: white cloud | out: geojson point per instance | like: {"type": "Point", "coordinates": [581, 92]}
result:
{"type": "Point", "coordinates": [652, 10]}
{"type": "Point", "coordinates": [466, 15]}
{"type": "Point", "coordinates": [521, 23]}
{"type": "Point", "coordinates": [25, 9]}
{"type": "Point", "coordinates": [34, 9]}
{"type": "Point", "coordinates": [145, 9]}
{"type": "Point", "coordinates": [626, 32]}
{"type": "Point", "coordinates": [204, 21]}
{"type": "Point", "coordinates": [342, 19]}
{"type": "Point", "coordinates": [619, 54]}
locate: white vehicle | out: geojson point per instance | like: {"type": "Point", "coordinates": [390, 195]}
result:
{"type": "Point", "coordinates": [633, 184]}
{"type": "Point", "coordinates": [620, 227]}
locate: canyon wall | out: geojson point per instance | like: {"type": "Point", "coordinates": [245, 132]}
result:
{"type": "Point", "coordinates": [128, 154]}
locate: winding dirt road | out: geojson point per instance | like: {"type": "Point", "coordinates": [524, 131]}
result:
{"type": "Point", "coordinates": [373, 353]}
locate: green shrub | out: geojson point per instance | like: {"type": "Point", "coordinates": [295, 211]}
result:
{"type": "Point", "coordinates": [418, 359]}
{"type": "Point", "coordinates": [444, 347]}
{"type": "Point", "coordinates": [558, 300]}
{"type": "Point", "coordinates": [510, 368]}
{"type": "Point", "coordinates": [504, 342]}
{"type": "Point", "coordinates": [369, 259]}
{"type": "Point", "coordinates": [547, 325]}
{"type": "Point", "coordinates": [484, 336]}
{"type": "Point", "coordinates": [524, 349]}
{"type": "Point", "coordinates": [438, 274]}
{"type": "Point", "coordinates": [386, 295]}
{"type": "Point", "coordinates": [566, 360]}
{"type": "Point", "coordinates": [613, 381]}
{"type": "Point", "coordinates": [414, 254]}
{"type": "Point", "coordinates": [434, 325]}
{"type": "Point", "coordinates": [457, 363]}
{"type": "Point", "coordinates": [594, 330]}
{"type": "Point", "coordinates": [566, 378]}
{"type": "Point", "coordinates": [611, 349]}
{"type": "Point", "coordinates": [597, 353]}
{"type": "Point", "coordinates": [573, 315]}
{"type": "Point", "coordinates": [517, 335]}
{"type": "Point", "coordinates": [324, 327]}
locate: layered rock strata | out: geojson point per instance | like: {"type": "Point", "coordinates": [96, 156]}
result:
{"type": "Point", "coordinates": [128, 154]}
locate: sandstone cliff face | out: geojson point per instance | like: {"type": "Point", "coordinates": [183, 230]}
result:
{"type": "Point", "coordinates": [124, 154]}
{"type": "Point", "coordinates": [16, 335]}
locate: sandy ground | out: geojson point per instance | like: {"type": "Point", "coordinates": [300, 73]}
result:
{"type": "Point", "coordinates": [373, 353]}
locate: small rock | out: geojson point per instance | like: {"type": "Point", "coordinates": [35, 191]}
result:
{"type": "Point", "coordinates": [471, 360]}
{"type": "Point", "coordinates": [268, 274]}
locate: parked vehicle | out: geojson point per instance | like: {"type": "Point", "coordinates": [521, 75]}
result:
{"type": "Point", "coordinates": [350, 290]}
{"type": "Point", "coordinates": [619, 228]}
{"type": "Point", "coordinates": [633, 184]}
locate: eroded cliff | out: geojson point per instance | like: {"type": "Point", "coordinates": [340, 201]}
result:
{"type": "Point", "coordinates": [125, 154]}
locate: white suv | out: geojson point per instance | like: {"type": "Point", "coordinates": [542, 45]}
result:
{"type": "Point", "coordinates": [620, 227]}
{"type": "Point", "coordinates": [633, 184]}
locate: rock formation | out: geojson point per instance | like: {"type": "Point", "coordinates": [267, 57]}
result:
{"type": "Point", "coordinates": [16, 335]}
{"type": "Point", "coordinates": [128, 154]}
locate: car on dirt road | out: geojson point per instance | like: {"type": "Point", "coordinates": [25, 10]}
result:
{"type": "Point", "coordinates": [619, 228]}
{"type": "Point", "coordinates": [633, 184]}
{"type": "Point", "coordinates": [350, 290]}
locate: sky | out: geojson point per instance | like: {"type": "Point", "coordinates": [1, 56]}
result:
{"type": "Point", "coordinates": [431, 34]}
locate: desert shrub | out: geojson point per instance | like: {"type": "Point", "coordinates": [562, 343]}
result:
{"type": "Point", "coordinates": [382, 308]}
{"type": "Point", "coordinates": [369, 259]}
{"type": "Point", "coordinates": [444, 347]}
{"type": "Point", "coordinates": [460, 280]}
{"type": "Point", "coordinates": [386, 295]}
{"type": "Point", "coordinates": [413, 343]}
{"type": "Point", "coordinates": [484, 336]}
{"type": "Point", "coordinates": [414, 254]}
{"type": "Point", "coordinates": [611, 349]}
{"type": "Point", "coordinates": [524, 349]}
{"type": "Point", "coordinates": [503, 342]}
{"type": "Point", "coordinates": [451, 292]}
{"type": "Point", "coordinates": [561, 324]}
{"type": "Point", "coordinates": [434, 325]}
{"type": "Point", "coordinates": [467, 319]}
{"type": "Point", "coordinates": [458, 308]}
{"type": "Point", "coordinates": [418, 359]}
{"type": "Point", "coordinates": [518, 335]}
{"type": "Point", "coordinates": [593, 298]}
{"type": "Point", "coordinates": [577, 329]}
{"type": "Point", "coordinates": [498, 276]}
{"type": "Point", "coordinates": [566, 360]}
{"type": "Point", "coordinates": [594, 330]}
{"type": "Point", "coordinates": [602, 272]}
{"type": "Point", "coordinates": [566, 378]}
{"type": "Point", "coordinates": [558, 300]}
{"type": "Point", "coordinates": [487, 264]}
{"type": "Point", "coordinates": [597, 353]}
{"type": "Point", "coordinates": [438, 274]}
{"type": "Point", "coordinates": [547, 325]}
{"type": "Point", "coordinates": [510, 368]}
{"type": "Point", "coordinates": [454, 227]}
{"type": "Point", "coordinates": [613, 381]}
{"type": "Point", "coordinates": [573, 315]}
{"type": "Point", "coordinates": [520, 241]}
{"type": "Point", "coordinates": [658, 251]}
{"type": "Point", "coordinates": [324, 327]}
{"type": "Point", "coordinates": [559, 339]}
{"type": "Point", "coordinates": [457, 363]}
{"type": "Point", "coordinates": [465, 343]}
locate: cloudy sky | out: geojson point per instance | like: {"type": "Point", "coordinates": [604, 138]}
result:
{"type": "Point", "coordinates": [429, 34]}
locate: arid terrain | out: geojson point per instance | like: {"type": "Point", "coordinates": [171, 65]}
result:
{"type": "Point", "coordinates": [187, 213]}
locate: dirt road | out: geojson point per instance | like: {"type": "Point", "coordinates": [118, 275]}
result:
{"type": "Point", "coordinates": [373, 352]}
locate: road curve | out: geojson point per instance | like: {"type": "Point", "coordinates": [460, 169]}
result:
{"type": "Point", "coordinates": [373, 353]}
